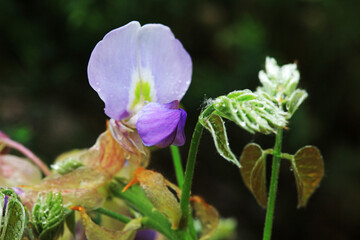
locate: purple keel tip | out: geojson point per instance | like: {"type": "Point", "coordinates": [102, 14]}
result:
{"type": "Point", "coordinates": [162, 124]}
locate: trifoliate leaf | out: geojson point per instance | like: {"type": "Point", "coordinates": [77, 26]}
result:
{"type": "Point", "coordinates": [308, 168]}
{"type": "Point", "coordinates": [253, 171]}
{"type": "Point", "coordinates": [208, 216]}
{"type": "Point", "coordinates": [254, 112]}
{"type": "Point", "coordinates": [13, 220]}
{"type": "Point", "coordinates": [216, 127]}
{"type": "Point", "coordinates": [295, 100]}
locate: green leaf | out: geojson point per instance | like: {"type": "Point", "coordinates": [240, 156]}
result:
{"type": "Point", "coordinates": [137, 199]}
{"type": "Point", "coordinates": [254, 112]}
{"type": "Point", "coordinates": [49, 215]}
{"type": "Point", "coordinates": [14, 220]}
{"type": "Point", "coordinates": [216, 127]}
{"type": "Point", "coordinates": [68, 161]}
{"type": "Point", "coordinates": [71, 223]}
{"type": "Point", "coordinates": [253, 171]}
{"type": "Point", "coordinates": [295, 100]}
{"type": "Point", "coordinates": [28, 233]}
{"type": "Point", "coordinates": [278, 81]}
{"type": "Point", "coordinates": [308, 168]}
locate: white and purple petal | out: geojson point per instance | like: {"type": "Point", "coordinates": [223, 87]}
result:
{"type": "Point", "coordinates": [165, 56]}
{"type": "Point", "coordinates": [112, 65]}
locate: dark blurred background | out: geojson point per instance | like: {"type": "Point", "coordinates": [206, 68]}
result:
{"type": "Point", "coordinates": [47, 104]}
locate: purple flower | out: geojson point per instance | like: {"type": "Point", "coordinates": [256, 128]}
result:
{"type": "Point", "coordinates": [146, 234]}
{"type": "Point", "coordinates": [141, 73]}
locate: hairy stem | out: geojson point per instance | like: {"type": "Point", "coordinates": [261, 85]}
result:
{"type": "Point", "coordinates": [180, 179]}
{"type": "Point", "coordinates": [189, 172]}
{"type": "Point", "coordinates": [273, 186]}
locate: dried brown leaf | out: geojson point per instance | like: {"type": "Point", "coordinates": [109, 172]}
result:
{"type": "Point", "coordinates": [156, 190]}
{"type": "Point", "coordinates": [308, 168]}
{"type": "Point", "coordinates": [253, 171]}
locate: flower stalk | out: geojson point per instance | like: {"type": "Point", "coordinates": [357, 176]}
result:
{"type": "Point", "coordinates": [177, 165]}
{"type": "Point", "coordinates": [189, 172]}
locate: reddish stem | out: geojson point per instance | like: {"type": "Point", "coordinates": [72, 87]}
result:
{"type": "Point", "coordinates": [21, 148]}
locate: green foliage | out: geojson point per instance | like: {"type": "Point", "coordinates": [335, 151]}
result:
{"type": "Point", "coordinates": [216, 127]}
{"type": "Point", "coordinates": [48, 216]}
{"type": "Point", "coordinates": [280, 84]}
{"type": "Point", "coordinates": [135, 197]}
{"type": "Point", "coordinates": [67, 165]}
{"type": "Point", "coordinates": [71, 222]}
{"type": "Point", "coordinates": [13, 219]}
{"type": "Point", "coordinates": [295, 100]}
{"type": "Point", "coordinates": [251, 111]}
{"type": "Point", "coordinates": [278, 81]}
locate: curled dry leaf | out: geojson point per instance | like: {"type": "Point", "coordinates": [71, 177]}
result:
{"type": "Point", "coordinates": [96, 232]}
{"type": "Point", "coordinates": [253, 171]}
{"type": "Point", "coordinates": [208, 216]}
{"type": "Point", "coordinates": [308, 168]}
{"type": "Point", "coordinates": [87, 185]}
{"type": "Point", "coordinates": [83, 186]}
{"type": "Point", "coordinates": [156, 189]}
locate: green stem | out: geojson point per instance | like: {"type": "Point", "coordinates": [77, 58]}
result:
{"type": "Point", "coordinates": [177, 165]}
{"type": "Point", "coordinates": [189, 172]}
{"type": "Point", "coordinates": [136, 198]}
{"type": "Point", "coordinates": [282, 155]}
{"type": "Point", "coordinates": [180, 179]}
{"type": "Point", "coordinates": [273, 186]}
{"type": "Point", "coordinates": [114, 215]}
